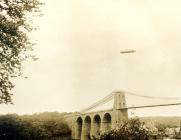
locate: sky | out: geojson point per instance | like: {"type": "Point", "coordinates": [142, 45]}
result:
{"type": "Point", "coordinates": [79, 43]}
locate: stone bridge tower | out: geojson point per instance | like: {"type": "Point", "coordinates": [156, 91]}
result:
{"type": "Point", "coordinates": [119, 113]}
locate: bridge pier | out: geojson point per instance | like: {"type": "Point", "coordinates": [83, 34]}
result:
{"type": "Point", "coordinates": [78, 128]}
{"type": "Point", "coordinates": [96, 126]}
{"type": "Point", "coordinates": [106, 122]}
{"type": "Point", "coordinates": [86, 129]}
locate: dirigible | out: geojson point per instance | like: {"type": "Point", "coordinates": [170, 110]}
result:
{"type": "Point", "coordinates": [127, 51]}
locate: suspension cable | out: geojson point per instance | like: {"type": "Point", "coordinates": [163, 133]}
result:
{"type": "Point", "coordinates": [147, 106]}
{"type": "Point", "coordinates": [152, 97]}
{"type": "Point", "coordinates": [100, 102]}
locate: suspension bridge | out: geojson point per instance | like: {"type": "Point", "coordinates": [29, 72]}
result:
{"type": "Point", "coordinates": [87, 123]}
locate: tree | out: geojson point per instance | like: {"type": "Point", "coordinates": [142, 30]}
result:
{"type": "Point", "coordinates": [15, 45]}
{"type": "Point", "coordinates": [132, 129]}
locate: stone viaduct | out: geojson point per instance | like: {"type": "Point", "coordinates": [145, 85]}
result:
{"type": "Point", "coordinates": [86, 125]}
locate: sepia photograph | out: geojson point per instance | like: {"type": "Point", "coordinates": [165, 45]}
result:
{"type": "Point", "coordinates": [90, 70]}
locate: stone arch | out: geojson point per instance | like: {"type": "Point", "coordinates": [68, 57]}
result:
{"type": "Point", "coordinates": [107, 120]}
{"type": "Point", "coordinates": [87, 127]}
{"type": "Point", "coordinates": [78, 129]}
{"type": "Point", "coordinates": [96, 125]}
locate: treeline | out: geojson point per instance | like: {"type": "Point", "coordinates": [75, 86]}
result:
{"type": "Point", "coordinates": [44, 126]}
{"type": "Point", "coordinates": [170, 122]}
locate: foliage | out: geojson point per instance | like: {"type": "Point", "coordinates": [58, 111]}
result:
{"type": "Point", "coordinates": [161, 129]}
{"type": "Point", "coordinates": [15, 45]}
{"type": "Point", "coordinates": [132, 129]}
{"type": "Point", "coordinates": [13, 127]}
